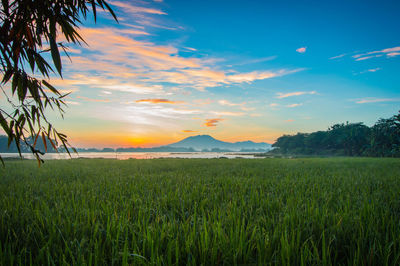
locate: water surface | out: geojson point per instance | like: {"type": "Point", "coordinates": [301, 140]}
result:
{"type": "Point", "coordinates": [136, 155]}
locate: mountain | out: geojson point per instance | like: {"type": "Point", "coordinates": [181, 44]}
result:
{"type": "Point", "coordinates": [24, 148]}
{"type": "Point", "coordinates": [189, 144]}
{"type": "Point", "coordinates": [206, 142]}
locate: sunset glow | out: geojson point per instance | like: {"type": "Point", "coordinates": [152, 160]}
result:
{"type": "Point", "coordinates": [235, 70]}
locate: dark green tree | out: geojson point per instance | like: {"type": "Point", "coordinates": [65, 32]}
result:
{"type": "Point", "coordinates": [29, 29]}
{"type": "Point", "coordinates": [350, 139]}
{"type": "Point", "coordinates": [397, 122]}
{"type": "Point", "coordinates": [385, 138]}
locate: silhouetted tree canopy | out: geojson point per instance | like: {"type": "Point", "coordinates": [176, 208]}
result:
{"type": "Point", "coordinates": [30, 29]}
{"type": "Point", "coordinates": [350, 139]}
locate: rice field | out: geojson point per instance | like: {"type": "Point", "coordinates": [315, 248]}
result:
{"type": "Point", "coordinates": [328, 211]}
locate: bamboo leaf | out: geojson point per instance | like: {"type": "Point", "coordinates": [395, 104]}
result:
{"type": "Point", "coordinates": [44, 141]}
{"type": "Point", "coordinates": [55, 54]}
{"type": "Point", "coordinates": [36, 138]}
{"type": "Point", "coordinates": [7, 76]}
{"type": "Point", "coordinates": [50, 87]}
{"type": "Point", "coordinates": [94, 11]}
{"type": "Point", "coordinates": [111, 11]}
{"type": "Point", "coordinates": [4, 124]}
{"type": "Point", "coordinates": [52, 144]}
{"type": "Point", "coordinates": [14, 82]}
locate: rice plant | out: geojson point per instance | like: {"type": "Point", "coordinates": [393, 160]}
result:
{"type": "Point", "coordinates": [327, 211]}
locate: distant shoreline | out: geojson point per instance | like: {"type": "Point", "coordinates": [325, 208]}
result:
{"type": "Point", "coordinates": [135, 155]}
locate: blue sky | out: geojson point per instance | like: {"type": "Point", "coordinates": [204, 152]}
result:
{"type": "Point", "coordinates": [236, 70]}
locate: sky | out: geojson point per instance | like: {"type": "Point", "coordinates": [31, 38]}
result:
{"type": "Point", "coordinates": [235, 70]}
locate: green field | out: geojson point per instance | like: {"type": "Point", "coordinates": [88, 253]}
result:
{"type": "Point", "coordinates": [201, 211]}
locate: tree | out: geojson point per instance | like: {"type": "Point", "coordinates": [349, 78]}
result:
{"type": "Point", "coordinates": [396, 119]}
{"type": "Point", "coordinates": [385, 138]}
{"type": "Point", "coordinates": [29, 30]}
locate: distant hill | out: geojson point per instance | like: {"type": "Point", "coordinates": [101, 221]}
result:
{"type": "Point", "coordinates": [206, 142]}
{"type": "Point", "coordinates": [24, 148]}
{"type": "Point", "coordinates": [189, 144]}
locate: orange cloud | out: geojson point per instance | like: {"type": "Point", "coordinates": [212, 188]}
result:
{"type": "Point", "coordinates": [159, 101]}
{"type": "Point", "coordinates": [119, 58]}
{"type": "Point", "coordinates": [212, 122]}
{"type": "Point", "coordinates": [189, 131]}
{"type": "Point", "coordinates": [116, 46]}
{"type": "Point", "coordinates": [301, 50]}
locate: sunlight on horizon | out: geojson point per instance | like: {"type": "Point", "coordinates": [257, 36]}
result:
{"type": "Point", "coordinates": [165, 73]}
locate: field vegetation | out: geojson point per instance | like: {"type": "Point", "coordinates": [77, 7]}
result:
{"type": "Point", "coordinates": [328, 211]}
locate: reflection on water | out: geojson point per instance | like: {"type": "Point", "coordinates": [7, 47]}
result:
{"type": "Point", "coordinates": [135, 155]}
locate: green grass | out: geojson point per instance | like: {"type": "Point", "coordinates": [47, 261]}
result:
{"type": "Point", "coordinates": [201, 211]}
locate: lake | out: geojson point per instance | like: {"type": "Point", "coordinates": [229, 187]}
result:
{"type": "Point", "coordinates": [137, 155]}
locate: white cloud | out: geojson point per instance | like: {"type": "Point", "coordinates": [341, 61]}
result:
{"type": "Point", "coordinates": [372, 70]}
{"type": "Point", "coordinates": [393, 54]}
{"type": "Point", "coordinates": [297, 93]}
{"type": "Point", "coordinates": [228, 103]}
{"type": "Point", "coordinates": [118, 55]}
{"type": "Point", "coordinates": [227, 113]}
{"type": "Point", "coordinates": [389, 52]}
{"type": "Point", "coordinates": [338, 56]}
{"type": "Point", "coordinates": [129, 8]}
{"type": "Point", "coordinates": [72, 103]}
{"type": "Point", "coordinates": [294, 105]}
{"type": "Point", "coordinates": [377, 100]}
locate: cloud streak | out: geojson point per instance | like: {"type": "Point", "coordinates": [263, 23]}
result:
{"type": "Point", "coordinates": [372, 70]}
{"type": "Point", "coordinates": [212, 122]}
{"type": "Point", "coordinates": [291, 94]}
{"type": "Point", "coordinates": [117, 55]}
{"type": "Point", "coordinates": [156, 101]}
{"type": "Point", "coordinates": [129, 8]}
{"type": "Point", "coordinates": [106, 83]}
{"type": "Point", "coordinates": [338, 56]}
{"type": "Point", "coordinates": [228, 103]}
{"type": "Point", "coordinates": [225, 113]}
{"type": "Point", "coordinates": [294, 105]}
{"type": "Point", "coordinates": [92, 100]}
{"type": "Point", "coordinates": [377, 100]}
{"type": "Point", "coordinates": [389, 52]}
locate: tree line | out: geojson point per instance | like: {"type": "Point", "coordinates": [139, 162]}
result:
{"type": "Point", "coordinates": [347, 139]}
